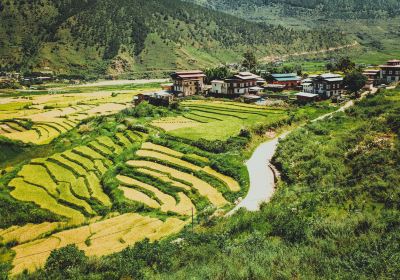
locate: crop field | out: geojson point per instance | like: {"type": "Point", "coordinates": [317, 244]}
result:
{"type": "Point", "coordinates": [111, 183]}
{"type": "Point", "coordinates": [97, 239]}
{"type": "Point", "coordinates": [69, 183]}
{"type": "Point", "coordinates": [53, 112]}
{"type": "Point", "coordinates": [26, 233]}
{"type": "Point", "coordinates": [214, 120]}
{"type": "Point", "coordinates": [168, 203]}
{"type": "Point", "coordinates": [177, 178]}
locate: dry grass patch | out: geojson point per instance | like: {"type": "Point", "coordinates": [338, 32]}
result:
{"type": "Point", "coordinates": [171, 159]}
{"type": "Point", "coordinates": [230, 182]}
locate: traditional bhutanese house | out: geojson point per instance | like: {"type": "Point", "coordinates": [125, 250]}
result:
{"type": "Point", "coordinates": [187, 83]}
{"type": "Point", "coordinates": [391, 71]}
{"type": "Point", "coordinates": [306, 97]}
{"type": "Point", "coordinates": [373, 76]}
{"type": "Point", "coordinates": [289, 80]}
{"type": "Point", "coordinates": [328, 85]}
{"type": "Point", "coordinates": [240, 84]}
{"type": "Point", "coordinates": [307, 84]}
{"type": "Point", "coordinates": [161, 98]}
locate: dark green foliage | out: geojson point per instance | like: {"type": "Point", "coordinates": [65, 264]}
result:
{"type": "Point", "coordinates": [66, 261]}
{"type": "Point", "coordinates": [354, 81]}
{"type": "Point", "coordinates": [217, 73]}
{"type": "Point", "coordinates": [249, 61]}
{"type": "Point", "coordinates": [145, 109]}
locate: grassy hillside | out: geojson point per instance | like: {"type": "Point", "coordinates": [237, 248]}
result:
{"type": "Point", "coordinates": [129, 36]}
{"type": "Point", "coordinates": [335, 214]}
{"type": "Point", "coordinates": [374, 24]}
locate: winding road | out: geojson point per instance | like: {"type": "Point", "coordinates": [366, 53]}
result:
{"type": "Point", "coordinates": [262, 178]}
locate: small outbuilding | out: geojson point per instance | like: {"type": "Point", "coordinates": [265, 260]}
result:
{"type": "Point", "coordinates": [306, 97]}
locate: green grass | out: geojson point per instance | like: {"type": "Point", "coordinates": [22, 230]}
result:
{"type": "Point", "coordinates": [37, 175]}
{"type": "Point", "coordinates": [221, 121]}
{"type": "Point", "coordinates": [69, 198]}
{"type": "Point", "coordinates": [27, 192]}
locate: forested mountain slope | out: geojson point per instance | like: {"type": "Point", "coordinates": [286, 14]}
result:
{"type": "Point", "coordinates": [120, 36]}
{"type": "Point", "coordinates": [374, 24]}
{"type": "Point", "coordinates": [341, 9]}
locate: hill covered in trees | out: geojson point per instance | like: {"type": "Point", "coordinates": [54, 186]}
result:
{"type": "Point", "coordinates": [128, 36]}
{"type": "Point", "coordinates": [342, 9]}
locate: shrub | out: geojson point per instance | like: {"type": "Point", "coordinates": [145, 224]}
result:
{"type": "Point", "coordinates": [64, 260]}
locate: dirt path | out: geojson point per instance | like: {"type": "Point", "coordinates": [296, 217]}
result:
{"type": "Point", "coordinates": [121, 82]}
{"type": "Point", "coordinates": [284, 57]}
{"type": "Point", "coordinates": [262, 178]}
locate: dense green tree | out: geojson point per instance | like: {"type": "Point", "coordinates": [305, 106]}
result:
{"type": "Point", "coordinates": [217, 73]}
{"type": "Point", "coordinates": [65, 260]}
{"type": "Point", "coordinates": [354, 81]}
{"type": "Point", "coordinates": [249, 60]}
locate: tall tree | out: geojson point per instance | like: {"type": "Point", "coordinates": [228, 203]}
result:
{"type": "Point", "coordinates": [249, 60]}
{"type": "Point", "coordinates": [354, 81]}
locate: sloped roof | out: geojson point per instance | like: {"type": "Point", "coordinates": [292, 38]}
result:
{"type": "Point", "coordinates": [286, 77]}
{"type": "Point", "coordinates": [306, 94]}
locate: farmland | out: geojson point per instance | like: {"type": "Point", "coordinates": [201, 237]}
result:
{"type": "Point", "coordinates": [88, 168]}
{"type": "Point", "coordinates": [39, 117]}
{"type": "Point", "coordinates": [218, 120]}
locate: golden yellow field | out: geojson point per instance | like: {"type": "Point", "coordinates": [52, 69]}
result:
{"type": "Point", "coordinates": [150, 151]}
{"type": "Point", "coordinates": [97, 239]}
{"type": "Point", "coordinates": [168, 202]}
{"type": "Point", "coordinates": [205, 189]}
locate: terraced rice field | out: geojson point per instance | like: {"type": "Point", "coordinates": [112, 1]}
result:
{"type": "Point", "coordinates": [164, 201]}
{"type": "Point", "coordinates": [214, 120]}
{"type": "Point", "coordinates": [69, 183]}
{"type": "Point", "coordinates": [50, 124]}
{"type": "Point", "coordinates": [27, 232]}
{"type": "Point", "coordinates": [150, 150]}
{"type": "Point", "coordinates": [167, 165]}
{"type": "Point", "coordinates": [96, 239]}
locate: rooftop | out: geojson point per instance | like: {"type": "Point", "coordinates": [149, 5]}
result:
{"type": "Point", "coordinates": [247, 76]}
{"type": "Point", "coordinates": [286, 77]}
{"type": "Point", "coordinates": [306, 94]}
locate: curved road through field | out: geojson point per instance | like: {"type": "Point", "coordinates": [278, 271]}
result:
{"type": "Point", "coordinates": [262, 178]}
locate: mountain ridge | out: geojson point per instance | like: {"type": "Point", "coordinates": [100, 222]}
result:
{"type": "Point", "coordinates": [116, 37]}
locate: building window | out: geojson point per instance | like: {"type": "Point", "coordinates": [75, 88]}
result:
{"type": "Point", "coordinates": [390, 72]}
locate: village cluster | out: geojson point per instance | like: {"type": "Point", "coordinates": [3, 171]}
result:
{"type": "Point", "coordinates": [252, 88]}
